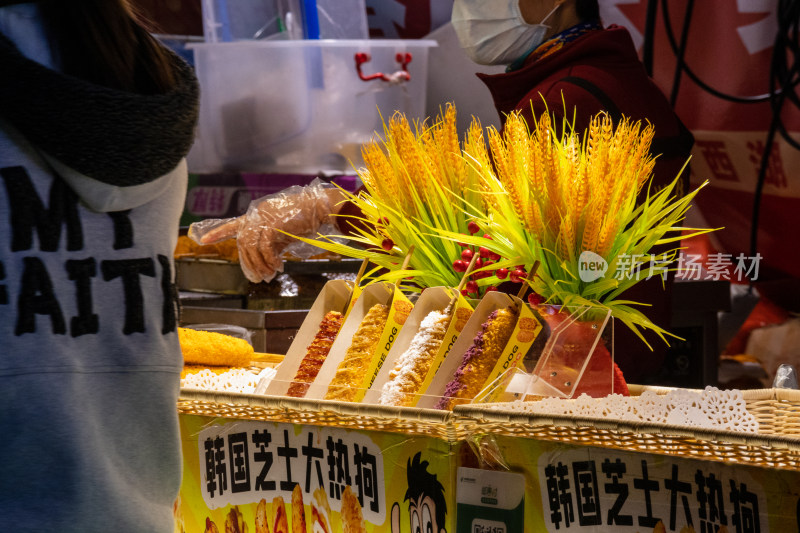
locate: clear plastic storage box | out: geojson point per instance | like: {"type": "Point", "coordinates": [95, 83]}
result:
{"type": "Point", "coordinates": [301, 106]}
{"type": "Point", "coordinates": [236, 20]}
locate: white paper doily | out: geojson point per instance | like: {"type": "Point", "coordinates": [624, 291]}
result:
{"type": "Point", "coordinates": [234, 380]}
{"type": "Point", "coordinates": [711, 408]}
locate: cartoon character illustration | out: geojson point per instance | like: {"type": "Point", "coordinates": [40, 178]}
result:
{"type": "Point", "coordinates": [426, 502]}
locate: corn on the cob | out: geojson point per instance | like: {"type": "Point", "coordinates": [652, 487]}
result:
{"type": "Point", "coordinates": [479, 360]}
{"type": "Point", "coordinates": [316, 353]}
{"type": "Point", "coordinates": [413, 365]}
{"type": "Point", "coordinates": [351, 370]}
{"type": "Point", "coordinates": [213, 349]}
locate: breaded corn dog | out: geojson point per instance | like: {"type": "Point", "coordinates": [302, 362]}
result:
{"type": "Point", "coordinates": [413, 365]}
{"type": "Point", "coordinates": [344, 385]}
{"type": "Point", "coordinates": [316, 353]}
{"type": "Point", "coordinates": [214, 349]}
{"type": "Point", "coordinates": [479, 359]}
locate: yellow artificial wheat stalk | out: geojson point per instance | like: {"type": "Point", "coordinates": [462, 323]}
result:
{"type": "Point", "coordinates": [605, 239]}
{"type": "Point", "coordinates": [535, 165]}
{"type": "Point", "coordinates": [479, 163]}
{"type": "Point", "coordinates": [432, 157]}
{"type": "Point", "coordinates": [567, 238]}
{"type": "Point", "coordinates": [527, 176]}
{"type": "Point", "coordinates": [576, 186]}
{"type": "Point", "coordinates": [380, 176]}
{"type": "Point", "coordinates": [602, 180]}
{"type": "Point", "coordinates": [367, 178]}
{"type": "Point", "coordinates": [407, 150]}
{"type": "Point", "coordinates": [448, 141]}
{"type": "Point", "coordinates": [503, 165]}
{"type": "Point", "coordinates": [548, 170]}
{"type": "Point", "coordinates": [515, 176]}
{"type": "Point", "coordinates": [591, 230]}
{"type": "Point", "coordinates": [597, 145]}
{"type": "Point", "coordinates": [622, 145]}
{"type": "Point", "coordinates": [626, 182]}
{"type": "Point", "coordinates": [644, 159]}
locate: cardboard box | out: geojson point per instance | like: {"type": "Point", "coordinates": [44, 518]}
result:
{"type": "Point", "coordinates": [526, 328]}
{"type": "Point", "coordinates": [431, 299]}
{"type": "Point", "coordinates": [377, 293]}
{"type": "Point", "coordinates": [335, 296]}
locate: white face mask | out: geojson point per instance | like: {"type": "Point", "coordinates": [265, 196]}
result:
{"type": "Point", "coordinates": [494, 32]}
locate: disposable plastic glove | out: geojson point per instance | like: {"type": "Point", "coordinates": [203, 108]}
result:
{"type": "Point", "coordinates": [296, 210]}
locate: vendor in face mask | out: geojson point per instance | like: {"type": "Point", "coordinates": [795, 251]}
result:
{"type": "Point", "coordinates": [561, 60]}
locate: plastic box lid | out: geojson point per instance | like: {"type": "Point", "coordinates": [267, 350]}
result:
{"type": "Point", "coordinates": [236, 20]}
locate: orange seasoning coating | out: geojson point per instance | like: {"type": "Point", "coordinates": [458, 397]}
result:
{"type": "Point", "coordinates": [316, 353]}
{"type": "Point", "coordinates": [349, 374]}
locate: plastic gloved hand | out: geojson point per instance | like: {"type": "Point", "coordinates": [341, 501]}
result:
{"type": "Point", "coordinates": [785, 377]}
{"type": "Point", "coordinates": [296, 210]}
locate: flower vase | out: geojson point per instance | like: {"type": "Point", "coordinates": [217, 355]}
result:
{"type": "Point", "coordinates": [577, 358]}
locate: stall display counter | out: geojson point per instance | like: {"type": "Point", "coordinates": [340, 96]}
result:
{"type": "Point", "coordinates": [482, 468]}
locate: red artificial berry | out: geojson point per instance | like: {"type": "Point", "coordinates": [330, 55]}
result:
{"type": "Point", "coordinates": [464, 292]}
{"type": "Point", "coordinates": [467, 254]}
{"type": "Point", "coordinates": [387, 244]}
{"type": "Point", "coordinates": [473, 228]}
{"type": "Point", "coordinates": [487, 236]}
{"type": "Point", "coordinates": [501, 273]}
{"type": "Point", "coordinates": [478, 263]}
{"type": "Point", "coordinates": [460, 265]}
{"type": "Point", "coordinates": [462, 244]}
{"type": "Point", "coordinates": [495, 257]}
{"type": "Point", "coordinates": [535, 299]}
{"type": "Point", "coordinates": [484, 252]}
{"type": "Point", "coordinates": [517, 276]}
{"type": "Point", "coordinates": [491, 288]}
{"type": "Point", "coordinates": [482, 274]}
{"type": "Point", "coordinates": [472, 287]}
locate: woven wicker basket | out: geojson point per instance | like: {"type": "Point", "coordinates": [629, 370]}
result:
{"type": "Point", "coordinates": [410, 421]}
{"type": "Point", "coordinates": [776, 445]}
{"type": "Point", "coordinates": [777, 410]}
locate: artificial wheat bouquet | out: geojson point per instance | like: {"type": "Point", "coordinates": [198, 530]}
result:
{"type": "Point", "coordinates": [527, 198]}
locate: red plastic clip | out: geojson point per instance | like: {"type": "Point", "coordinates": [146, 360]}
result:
{"type": "Point", "coordinates": [403, 58]}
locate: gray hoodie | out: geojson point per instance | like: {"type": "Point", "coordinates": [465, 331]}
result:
{"type": "Point", "coordinates": [89, 355]}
